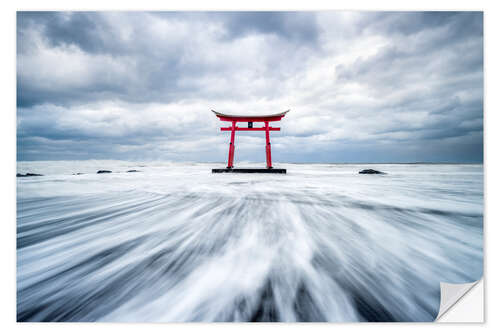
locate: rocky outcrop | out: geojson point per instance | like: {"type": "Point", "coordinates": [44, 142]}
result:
{"type": "Point", "coordinates": [103, 171]}
{"type": "Point", "coordinates": [28, 175]}
{"type": "Point", "coordinates": [371, 172]}
{"type": "Point", "coordinates": [133, 171]}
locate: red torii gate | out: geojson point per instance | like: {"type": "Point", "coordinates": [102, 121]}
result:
{"type": "Point", "coordinates": [234, 119]}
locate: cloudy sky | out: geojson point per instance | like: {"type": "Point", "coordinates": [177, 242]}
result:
{"type": "Point", "coordinates": [361, 86]}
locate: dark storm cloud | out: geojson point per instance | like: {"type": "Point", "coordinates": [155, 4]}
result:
{"type": "Point", "coordinates": [450, 40]}
{"type": "Point", "coordinates": [96, 42]}
{"type": "Point", "coordinates": [298, 26]}
{"type": "Point", "coordinates": [359, 84]}
{"type": "Point", "coordinates": [409, 23]}
{"type": "Point", "coordinates": [457, 32]}
{"type": "Point", "coordinates": [160, 68]}
{"type": "Point", "coordinates": [92, 33]}
{"type": "Point", "coordinates": [439, 57]}
{"type": "Point", "coordinates": [83, 29]}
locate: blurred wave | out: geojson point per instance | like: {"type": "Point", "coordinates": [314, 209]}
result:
{"type": "Point", "coordinates": [176, 243]}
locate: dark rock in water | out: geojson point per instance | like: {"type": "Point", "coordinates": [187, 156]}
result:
{"type": "Point", "coordinates": [28, 175]}
{"type": "Point", "coordinates": [103, 171]}
{"type": "Point", "coordinates": [77, 174]}
{"type": "Point", "coordinates": [371, 172]}
{"type": "Point", "coordinates": [133, 171]}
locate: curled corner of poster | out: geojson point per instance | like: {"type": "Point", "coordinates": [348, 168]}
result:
{"type": "Point", "coordinates": [462, 303]}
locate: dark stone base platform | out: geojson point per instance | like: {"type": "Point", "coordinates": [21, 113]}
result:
{"type": "Point", "coordinates": [248, 170]}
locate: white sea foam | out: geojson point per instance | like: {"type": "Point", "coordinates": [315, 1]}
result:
{"type": "Point", "coordinates": [175, 242]}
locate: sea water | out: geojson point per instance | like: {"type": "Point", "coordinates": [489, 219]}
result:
{"type": "Point", "coordinates": [174, 242]}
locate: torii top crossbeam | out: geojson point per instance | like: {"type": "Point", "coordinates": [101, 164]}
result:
{"type": "Point", "coordinates": [250, 119]}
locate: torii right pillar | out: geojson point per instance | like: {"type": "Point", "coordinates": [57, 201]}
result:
{"type": "Point", "coordinates": [269, 162]}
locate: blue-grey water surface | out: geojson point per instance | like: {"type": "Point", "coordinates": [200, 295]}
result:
{"type": "Point", "coordinates": [175, 243]}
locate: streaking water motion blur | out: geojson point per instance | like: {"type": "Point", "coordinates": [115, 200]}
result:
{"type": "Point", "coordinates": [175, 242]}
